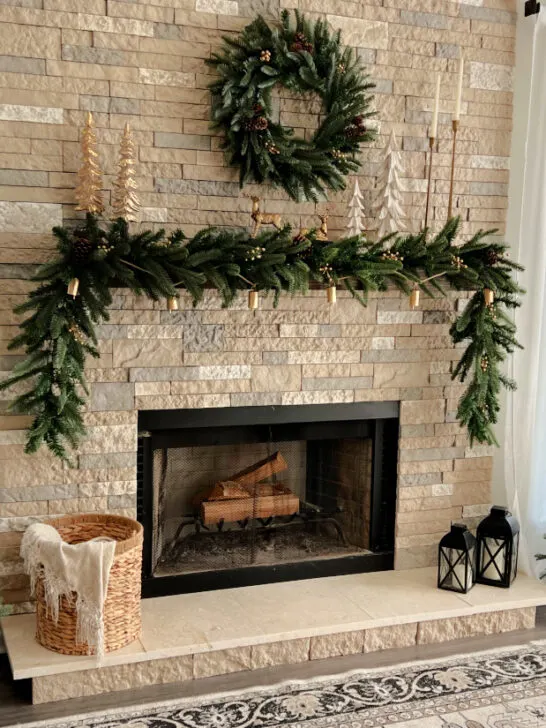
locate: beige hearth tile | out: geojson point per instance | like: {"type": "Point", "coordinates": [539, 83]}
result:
{"type": "Point", "coordinates": [287, 652]}
{"type": "Point", "coordinates": [416, 595]}
{"type": "Point", "coordinates": [169, 626]}
{"type": "Point", "coordinates": [220, 662]}
{"type": "Point", "coordinates": [336, 645]}
{"type": "Point", "coordinates": [50, 688]}
{"type": "Point", "coordinates": [33, 660]}
{"type": "Point", "coordinates": [309, 608]}
{"type": "Point", "coordinates": [387, 638]}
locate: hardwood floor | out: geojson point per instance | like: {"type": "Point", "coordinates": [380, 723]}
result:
{"type": "Point", "coordinates": [16, 710]}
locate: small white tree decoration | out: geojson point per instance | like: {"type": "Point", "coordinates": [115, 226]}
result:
{"type": "Point", "coordinates": [388, 200]}
{"type": "Point", "coordinates": [356, 209]}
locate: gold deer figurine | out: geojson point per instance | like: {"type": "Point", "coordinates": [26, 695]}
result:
{"type": "Point", "coordinates": [262, 218]}
{"type": "Point", "coordinates": [322, 232]}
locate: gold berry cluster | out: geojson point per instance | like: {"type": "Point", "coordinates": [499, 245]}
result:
{"type": "Point", "coordinates": [265, 56]}
{"type": "Point", "coordinates": [105, 247]}
{"type": "Point", "coordinates": [76, 333]}
{"type": "Point", "coordinates": [484, 363]}
{"type": "Point", "coordinates": [255, 253]}
{"type": "Point", "coordinates": [326, 270]}
{"type": "Point", "coordinates": [458, 262]}
{"type": "Point", "coordinates": [341, 67]}
{"type": "Point", "coordinates": [271, 148]}
{"type": "Point", "coordinates": [392, 255]}
{"type": "Point", "coordinates": [338, 154]}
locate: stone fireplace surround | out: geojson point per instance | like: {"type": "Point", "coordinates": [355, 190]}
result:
{"type": "Point", "coordinates": [303, 352]}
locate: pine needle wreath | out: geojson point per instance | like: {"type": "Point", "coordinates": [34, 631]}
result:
{"type": "Point", "coordinates": [305, 58]}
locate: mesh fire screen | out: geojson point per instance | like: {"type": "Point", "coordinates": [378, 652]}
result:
{"type": "Point", "coordinates": [228, 506]}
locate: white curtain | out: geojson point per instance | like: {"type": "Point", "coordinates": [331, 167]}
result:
{"type": "Point", "coordinates": [525, 435]}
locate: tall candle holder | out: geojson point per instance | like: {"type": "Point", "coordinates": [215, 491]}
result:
{"type": "Point", "coordinates": [455, 127]}
{"type": "Point", "coordinates": [431, 141]}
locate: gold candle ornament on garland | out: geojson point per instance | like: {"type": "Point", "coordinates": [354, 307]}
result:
{"type": "Point", "coordinates": [125, 202]}
{"type": "Point", "coordinates": [88, 190]}
{"type": "Point", "coordinates": [414, 299]}
{"type": "Point", "coordinates": [73, 287]}
{"type": "Point", "coordinates": [488, 296]}
{"type": "Point", "coordinates": [331, 294]}
{"type": "Point", "coordinates": [172, 303]}
{"type": "Point", "coordinates": [253, 300]}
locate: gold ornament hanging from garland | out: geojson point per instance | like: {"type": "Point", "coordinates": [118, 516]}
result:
{"type": "Point", "coordinates": [125, 202]}
{"type": "Point", "coordinates": [88, 191]}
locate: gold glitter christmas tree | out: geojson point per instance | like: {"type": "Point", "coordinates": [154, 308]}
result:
{"type": "Point", "coordinates": [125, 202]}
{"type": "Point", "coordinates": [89, 186]}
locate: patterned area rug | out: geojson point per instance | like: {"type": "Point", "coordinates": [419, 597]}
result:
{"type": "Point", "coordinates": [498, 689]}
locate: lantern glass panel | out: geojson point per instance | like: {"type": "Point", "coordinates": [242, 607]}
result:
{"type": "Point", "coordinates": [515, 550]}
{"type": "Point", "coordinates": [457, 569]}
{"type": "Point", "coordinates": [493, 553]}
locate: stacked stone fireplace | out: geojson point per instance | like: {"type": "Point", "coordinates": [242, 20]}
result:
{"type": "Point", "coordinates": [303, 353]}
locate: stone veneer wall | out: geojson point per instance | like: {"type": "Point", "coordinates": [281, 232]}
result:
{"type": "Point", "coordinates": [143, 63]}
{"type": "Point", "coordinates": [304, 352]}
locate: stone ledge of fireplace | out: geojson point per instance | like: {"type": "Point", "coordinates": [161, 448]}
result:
{"type": "Point", "coordinates": [190, 636]}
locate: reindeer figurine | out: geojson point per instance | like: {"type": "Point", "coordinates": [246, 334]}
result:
{"type": "Point", "coordinates": [322, 232]}
{"type": "Point", "coordinates": [262, 218]}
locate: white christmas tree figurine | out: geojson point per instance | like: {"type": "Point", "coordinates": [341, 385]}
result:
{"type": "Point", "coordinates": [388, 200]}
{"type": "Point", "coordinates": [356, 208]}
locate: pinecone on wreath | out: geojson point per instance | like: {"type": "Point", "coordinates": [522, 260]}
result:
{"type": "Point", "coordinates": [301, 44]}
{"type": "Point", "coordinates": [81, 248]}
{"type": "Point", "coordinates": [258, 123]}
{"type": "Point", "coordinates": [357, 128]}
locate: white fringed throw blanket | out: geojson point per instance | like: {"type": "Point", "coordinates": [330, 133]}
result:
{"type": "Point", "coordinates": [82, 568]}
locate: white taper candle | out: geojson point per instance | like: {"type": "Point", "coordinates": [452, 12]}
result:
{"type": "Point", "coordinates": [457, 114]}
{"type": "Point", "coordinates": [434, 126]}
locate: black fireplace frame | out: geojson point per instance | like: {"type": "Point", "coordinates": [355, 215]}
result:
{"type": "Point", "coordinates": [377, 420]}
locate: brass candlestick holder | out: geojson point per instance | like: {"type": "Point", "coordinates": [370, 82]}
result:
{"type": "Point", "coordinates": [455, 127]}
{"type": "Point", "coordinates": [431, 141]}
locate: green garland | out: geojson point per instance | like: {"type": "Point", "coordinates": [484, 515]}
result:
{"type": "Point", "coordinates": [60, 330]}
{"type": "Point", "coordinates": [304, 58]}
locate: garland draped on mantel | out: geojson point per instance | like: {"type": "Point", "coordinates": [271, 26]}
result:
{"type": "Point", "coordinates": [59, 331]}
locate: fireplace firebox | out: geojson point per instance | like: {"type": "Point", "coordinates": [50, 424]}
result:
{"type": "Point", "coordinates": [239, 496]}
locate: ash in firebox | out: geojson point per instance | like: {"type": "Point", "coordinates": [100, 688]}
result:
{"type": "Point", "coordinates": [205, 551]}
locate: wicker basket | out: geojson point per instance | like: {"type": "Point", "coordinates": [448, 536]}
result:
{"type": "Point", "coordinates": [122, 606]}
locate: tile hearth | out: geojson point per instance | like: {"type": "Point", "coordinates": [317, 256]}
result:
{"type": "Point", "coordinates": [211, 633]}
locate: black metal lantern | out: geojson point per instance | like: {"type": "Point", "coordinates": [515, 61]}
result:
{"type": "Point", "coordinates": [498, 543]}
{"type": "Point", "coordinates": [457, 560]}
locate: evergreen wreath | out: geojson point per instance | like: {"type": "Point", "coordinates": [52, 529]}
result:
{"type": "Point", "coordinates": [305, 58]}
{"type": "Point", "coordinates": [59, 331]}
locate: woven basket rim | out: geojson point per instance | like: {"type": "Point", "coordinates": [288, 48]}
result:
{"type": "Point", "coordinates": [135, 540]}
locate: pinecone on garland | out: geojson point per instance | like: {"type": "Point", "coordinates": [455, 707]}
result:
{"type": "Point", "coordinates": [81, 248]}
{"type": "Point", "coordinates": [301, 44]}
{"type": "Point", "coordinates": [257, 123]}
{"type": "Point", "coordinates": [492, 257]}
